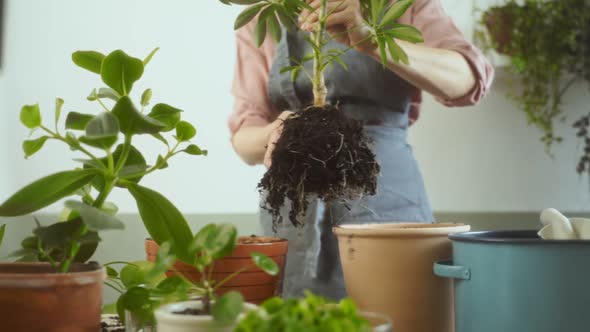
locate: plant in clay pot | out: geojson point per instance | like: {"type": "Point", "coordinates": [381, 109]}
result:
{"type": "Point", "coordinates": [210, 312]}
{"type": "Point", "coordinates": [312, 313]}
{"type": "Point", "coordinates": [255, 285]}
{"type": "Point", "coordinates": [321, 151]}
{"type": "Point", "coordinates": [59, 251]}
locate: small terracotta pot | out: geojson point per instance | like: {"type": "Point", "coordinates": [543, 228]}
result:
{"type": "Point", "coordinates": [255, 285]}
{"type": "Point", "coordinates": [388, 269]}
{"type": "Point", "coordinates": [499, 23]}
{"type": "Point", "coordinates": [33, 298]}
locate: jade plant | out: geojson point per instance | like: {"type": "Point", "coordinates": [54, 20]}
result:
{"type": "Point", "coordinates": [143, 288]}
{"type": "Point", "coordinates": [321, 151]}
{"type": "Point", "coordinates": [547, 43]}
{"type": "Point", "coordinates": [107, 160]}
{"type": "Point", "coordinates": [311, 313]}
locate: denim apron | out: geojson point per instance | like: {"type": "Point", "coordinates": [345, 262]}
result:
{"type": "Point", "coordinates": [381, 100]}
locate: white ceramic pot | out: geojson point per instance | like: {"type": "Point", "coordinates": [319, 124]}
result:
{"type": "Point", "coordinates": [168, 321]}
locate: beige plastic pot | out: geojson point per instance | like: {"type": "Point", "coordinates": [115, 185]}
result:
{"type": "Point", "coordinates": [169, 320]}
{"type": "Point", "coordinates": [388, 269]}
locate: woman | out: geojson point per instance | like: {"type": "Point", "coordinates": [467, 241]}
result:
{"type": "Point", "coordinates": [386, 100]}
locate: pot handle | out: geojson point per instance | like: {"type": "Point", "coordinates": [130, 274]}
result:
{"type": "Point", "coordinates": [446, 269]}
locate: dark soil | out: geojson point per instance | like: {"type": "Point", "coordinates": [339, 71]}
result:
{"type": "Point", "coordinates": [191, 312]}
{"type": "Point", "coordinates": [320, 152]}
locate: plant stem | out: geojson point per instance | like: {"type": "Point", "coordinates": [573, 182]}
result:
{"type": "Point", "coordinates": [319, 85]}
{"type": "Point", "coordinates": [102, 104]}
{"type": "Point", "coordinates": [124, 155]}
{"type": "Point", "coordinates": [76, 147]}
{"type": "Point", "coordinates": [230, 277]}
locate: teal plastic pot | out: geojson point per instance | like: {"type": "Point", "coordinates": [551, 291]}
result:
{"type": "Point", "coordinates": [512, 281]}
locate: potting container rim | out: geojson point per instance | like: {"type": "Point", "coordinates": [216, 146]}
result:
{"type": "Point", "coordinates": [166, 312]}
{"type": "Point", "coordinates": [278, 241]}
{"type": "Point", "coordinates": [39, 275]}
{"type": "Point", "coordinates": [401, 229]}
{"type": "Point", "coordinates": [511, 237]}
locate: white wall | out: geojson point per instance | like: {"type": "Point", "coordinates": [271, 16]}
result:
{"type": "Point", "coordinates": [473, 159]}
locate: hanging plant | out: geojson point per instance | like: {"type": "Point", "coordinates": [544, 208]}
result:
{"type": "Point", "coordinates": [547, 44]}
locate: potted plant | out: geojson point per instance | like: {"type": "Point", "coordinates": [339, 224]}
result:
{"type": "Point", "coordinates": [210, 312]}
{"type": "Point", "coordinates": [255, 285]}
{"type": "Point", "coordinates": [546, 43]}
{"type": "Point", "coordinates": [59, 290]}
{"type": "Point", "coordinates": [321, 151]}
{"type": "Point", "coordinates": [312, 313]}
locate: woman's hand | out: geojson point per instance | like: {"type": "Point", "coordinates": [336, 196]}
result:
{"type": "Point", "coordinates": [344, 23]}
{"type": "Point", "coordinates": [275, 134]}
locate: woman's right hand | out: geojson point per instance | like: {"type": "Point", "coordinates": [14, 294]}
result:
{"type": "Point", "coordinates": [275, 134]}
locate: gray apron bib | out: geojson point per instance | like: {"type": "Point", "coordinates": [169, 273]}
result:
{"type": "Point", "coordinates": [381, 100]}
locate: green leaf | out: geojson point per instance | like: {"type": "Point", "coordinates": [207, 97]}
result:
{"type": "Point", "coordinates": [161, 163]}
{"type": "Point", "coordinates": [162, 220]}
{"type": "Point", "coordinates": [260, 29]}
{"type": "Point", "coordinates": [78, 121]}
{"type": "Point", "coordinates": [94, 218]}
{"type": "Point", "coordinates": [382, 51]}
{"type": "Point", "coordinates": [45, 191]}
{"type": "Point", "coordinates": [119, 71]}
{"type": "Point", "coordinates": [103, 125]}
{"type": "Point", "coordinates": [2, 231]}
{"type": "Point", "coordinates": [30, 116]}
{"type": "Point", "coordinates": [274, 28]}
{"type": "Point", "coordinates": [340, 62]}
{"type": "Point", "coordinates": [397, 53]}
{"type": "Point", "coordinates": [59, 103]}
{"type": "Point", "coordinates": [164, 260]}
{"type": "Point", "coordinates": [289, 68]}
{"type": "Point", "coordinates": [100, 143]}
{"type": "Point", "coordinates": [195, 150]}
{"type": "Point", "coordinates": [405, 32]}
{"type": "Point", "coordinates": [150, 56]}
{"type": "Point", "coordinates": [217, 241]}
{"type": "Point", "coordinates": [160, 138]}
{"type": "Point", "coordinates": [110, 208]}
{"type": "Point", "coordinates": [138, 273]}
{"type": "Point", "coordinates": [376, 9]}
{"type": "Point", "coordinates": [265, 263]}
{"type": "Point", "coordinates": [112, 272]}
{"type": "Point", "coordinates": [30, 147]}
{"type": "Point", "coordinates": [132, 122]}
{"type": "Point", "coordinates": [396, 10]}
{"type": "Point", "coordinates": [248, 15]}
{"type": "Point", "coordinates": [295, 74]}
{"type": "Point", "coordinates": [89, 60]}
{"type": "Point", "coordinates": [108, 93]}
{"type": "Point", "coordinates": [58, 235]}
{"type": "Point", "coordinates": [171, 285]}
{"type": "Point", "coordinates": [166, 114]}
{"type": "Point", "coordinates": [227, 308]}
{"type": "Point", "coordinates": [135, 298]}
{"type": "Point", "coordinates": [185, 131]}
{"type": "Point", "coordinates": [146, 96]}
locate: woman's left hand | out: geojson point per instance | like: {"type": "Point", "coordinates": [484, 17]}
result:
{"type": "Point", "coordinates": [344, 23]}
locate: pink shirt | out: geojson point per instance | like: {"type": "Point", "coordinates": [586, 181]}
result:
{"type": "Point", "coordinates": [250, 86]}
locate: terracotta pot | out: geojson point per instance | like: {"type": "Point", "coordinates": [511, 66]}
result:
{"type": "Point", "coordinates": [388, 269]}
{"type": "Point", "coordinates": [255, 285]}
{"type": "Point", "coordinates": [169, 321]}
{"type": "Point", "coordinates": [35, 299]}
{"type": "Point", "coordinates": [499, 22]}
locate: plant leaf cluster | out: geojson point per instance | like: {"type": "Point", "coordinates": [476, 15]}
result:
{"type": "Point", "coordinates": [312, 313]}
{"type": "Point", "coordinates": [549, 48]}
{"type": "Point", "coordinates": [110, 160]}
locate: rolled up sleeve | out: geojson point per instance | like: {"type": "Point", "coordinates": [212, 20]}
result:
{"type": "Point", "coordinates": [252, 105]}
{"type": "Point", "coordinates": [440, 31]}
